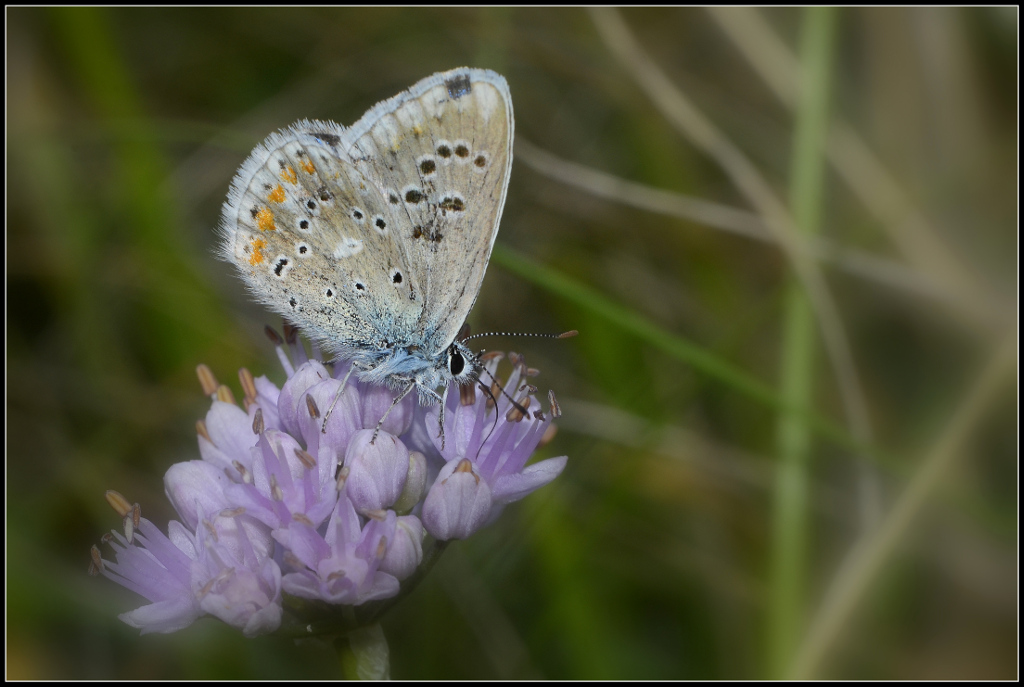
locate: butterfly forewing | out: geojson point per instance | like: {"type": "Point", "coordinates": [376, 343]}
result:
{"type": "Point", "coordinates": [444, 149]}
{"type": "Point", "coordinates": [316, 242]}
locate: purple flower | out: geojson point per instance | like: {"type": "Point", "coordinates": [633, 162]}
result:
{"type": "Point", "coordinates": [158, 567]}
{"type": "Point", "coordinates": [304, 492]}
{"type": "Point", "coordinates": [486, 450]}
{"type": "Point", "coordinates": [341, 566]}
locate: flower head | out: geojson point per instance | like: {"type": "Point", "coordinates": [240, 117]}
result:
{"type": "Point", "coordinates": [303, 492]}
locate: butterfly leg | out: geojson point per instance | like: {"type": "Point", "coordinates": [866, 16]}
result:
{"type": "Point", "coordinates": [398, 399]}
{"type": "Point", "coordinates": [337, 396]}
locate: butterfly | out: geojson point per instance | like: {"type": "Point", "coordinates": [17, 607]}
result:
{"type": "Point", "coordinates": [374, 239]}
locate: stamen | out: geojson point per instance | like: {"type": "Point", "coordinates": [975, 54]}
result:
{"type": "Point", "coordinates": [95, 561]}
{"type": "Point", "coordinates": [274, 337]}
{"type": "Point", "coordinates": [491, 355]}
{"type": "Point", "coordinates": [378, 515]}
{"type": "Point", "coordinates": [257, 422]}
{"type": "Point", "coordinates": [248, 384]}
{"type": "Point", "coordinates": [556, 411]}
{"type": "Point", "coordinates": [532, 372]}
{"type": "Point", "coordinates": [136, 514]}
{"type": "Point", "coordinates": [129, 528]}
{"type": "Point", "coordinates": [382, 547]}
{"type": "Point", "coordinates": [549, 434]}
{"type": "Point", "coordinates": [291, 333]}
{"type": "Point", "coordinates": [232, 512]}
{"type": "Point", "coordinates": [276, 492]}
{"type": "Point", "coordinates": [207, 380]}
{"type": "Point", "coordinates": [466, 466]}
{"type": "Point", "coordinates": [301, 517]}
{"type": "Point", "coordinates": [311, 406]}
{"type": "Point", "coordinates": [307, 460]}
{"type": "Point", "coordinates": [224, 394]}
{"type": "Point", "coordinates": [118, 502]}
{"type": "Point", "coordinates": [201, 430]}
{"type": "Point", "coordinates": [339, 479]}
{"type": "Point", "coordinates": [495, 391]}
{"type": "Point", "coordinates": [467, 394]}
{"type": "Point", "coordinates": [518, 410]}
{"type": "Point", "coordinates": [242, 472]}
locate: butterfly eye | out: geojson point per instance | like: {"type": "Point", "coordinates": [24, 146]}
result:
{"type": "Point", "coordinates": [456, 363]}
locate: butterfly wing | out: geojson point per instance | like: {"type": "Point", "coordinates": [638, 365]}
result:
{"type": "Point", "coordinates": [317, 242]}
{"type": "Point", "coordinates": [444, 148]}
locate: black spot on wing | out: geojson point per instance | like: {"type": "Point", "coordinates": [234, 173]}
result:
{"type": "Point", "coordinates": [458, 86]}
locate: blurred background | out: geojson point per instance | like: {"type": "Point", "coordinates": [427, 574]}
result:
{"type": "Point", "coordinates": [788, 239]}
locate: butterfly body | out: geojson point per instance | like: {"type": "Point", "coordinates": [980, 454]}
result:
{"type": "Point", "coordinates": [374, 239]}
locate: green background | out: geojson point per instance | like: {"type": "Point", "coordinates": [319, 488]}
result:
{"type": "Point", "coordinates": [716, 485]}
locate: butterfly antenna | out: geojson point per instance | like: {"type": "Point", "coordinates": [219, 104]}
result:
{"type": "Point", "coordinates": [516, 404]}
{"type": "Point", "coordinates": [563, 335]}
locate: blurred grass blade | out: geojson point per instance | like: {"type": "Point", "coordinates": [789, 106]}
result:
{"type": "Point", "coordinates": [798, 354]}
{"type": "Point", "coordinates": [676, 346]}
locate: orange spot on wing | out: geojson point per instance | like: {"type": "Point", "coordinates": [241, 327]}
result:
{"type": "Point", "coordinates": [257, 256]}
{"type": "Point", "coordinates": [288, 174]}
{"type": "Point", "coordinates": [265, 219]}
{"type": "Point", "coordinates": [277, 195]}
{"type": "Point", "coordinates": [308, 166]}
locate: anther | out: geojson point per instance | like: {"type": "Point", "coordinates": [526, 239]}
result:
{"type": "Point", "coordinates": [549, 434]}
{"type": "Point", "coordinates": [136, 514]}
{"type": "Point", "coordinates": [257, 422]}
{"type": "Point", "coordinates": [242, 472]}
{"type": "Point", "coordinates": [129, 528]}
{"type": "Point", "coordinates": [248, 384]}
{"type": "Point", "coordinates": [307, 460]}
{"type": "Point", "coordinates": [519, 409]}
{"type": "Point", "coordinates": [532, 372]}
{"type": "Point", "coordinates": [314, 411]}
{"type": "Point", "coordinates": [232, 512]}
{"type": "Point", "coordinates": [276, 492]}
{"type": "Point", "coordinates": [339, 479]}
{"type": "Point", "coordinates": [466, 466]}
{"type": "Point", "coordinates": [301, 518]}
{"type": "Point", "coordinates": [118, 502]}
{"type": "Point", "coordinates": [224, 394]}
{"type": "Point", "coordinates": [382, 547]}
{"type": "Point", "coordinates": [272, 334]}
{"type": "Point", "coordinates": [96, 561]}
{"type": "Point", "coordinates": [467, 394]}
{"type": "Point", "coordinates": [569, 334]}
{"type": "Point", "coordinates": [495, 391]}
{"type": "Point", "coordinates": [201, 430]}
{"type": "Point", "coordinates": [556, 411]}
{"type": "Point", "coordinates": [378, 515]}
{"type": "Point", "coordinates": [291, 333]}
{"type": "Point", "coordinates": [491, 355]}
{"type": "Point", "coordinates": [207, 380]}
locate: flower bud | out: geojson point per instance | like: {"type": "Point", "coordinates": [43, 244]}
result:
{"type": "Point", "coordinates": [406, 551]}
{"type": "Point", "coordinates": [377, 470]}
{"type": "Point", "coordinates": [415, 483]}
{"type": "Point", "coordinates": [458, 503]}
{"type": "Point", "coordinates": [376, 402]}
